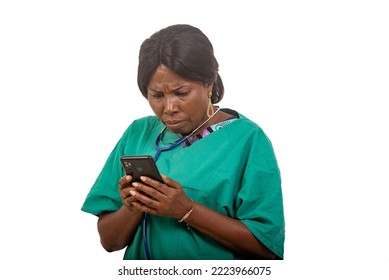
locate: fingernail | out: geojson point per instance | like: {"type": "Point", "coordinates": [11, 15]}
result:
{"type": "Point", "coordinates": [133, 193]}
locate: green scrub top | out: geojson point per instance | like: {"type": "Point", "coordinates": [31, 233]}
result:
{"type": "Point", "coordinates": [233, 171]}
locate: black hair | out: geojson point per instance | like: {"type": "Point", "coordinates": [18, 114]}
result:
{"type": "Point", "coordinates": [186, 51]}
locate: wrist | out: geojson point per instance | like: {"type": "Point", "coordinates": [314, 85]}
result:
{"type": "Point", "coordinates": [187, 214]}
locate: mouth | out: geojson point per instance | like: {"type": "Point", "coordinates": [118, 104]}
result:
{"type": "Point", "coordinates": [173, 125]}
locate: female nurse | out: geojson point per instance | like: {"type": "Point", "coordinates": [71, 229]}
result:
{"type": "Point", "coordinates": [221, 193]}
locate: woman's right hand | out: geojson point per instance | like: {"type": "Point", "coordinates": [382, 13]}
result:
{"type": "Point", "coordinates": [125, 188]}
{"type": "Point", "coordinates": [118, 228]}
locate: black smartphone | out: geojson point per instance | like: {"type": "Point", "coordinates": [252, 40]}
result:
{"type": "Point", "coordinates": [137, 166]}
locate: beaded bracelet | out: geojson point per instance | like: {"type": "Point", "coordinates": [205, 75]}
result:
{"type": "Point", "coordinates": [187, 214]}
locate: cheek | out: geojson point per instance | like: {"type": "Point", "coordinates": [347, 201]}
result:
{"type": "Point", "coordinates": [157, 109]}
{"type": "Point", "coordinates": [195, 114]}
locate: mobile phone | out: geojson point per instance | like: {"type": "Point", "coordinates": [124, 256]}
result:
{"type": "Point", "coordinates": [137, 166]}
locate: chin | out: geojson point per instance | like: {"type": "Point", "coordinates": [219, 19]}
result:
{"type": "Point", "coordinates": [179, 131]}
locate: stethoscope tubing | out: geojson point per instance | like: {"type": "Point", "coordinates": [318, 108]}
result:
{"type": "Point", "coordinates": [156, 156]}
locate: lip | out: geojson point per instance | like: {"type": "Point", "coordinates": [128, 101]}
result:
{"type": "Point", "coordinates": [173, 125]}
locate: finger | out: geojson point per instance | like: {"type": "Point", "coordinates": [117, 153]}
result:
{"type": "Point", "coordinates": [152, 188]}
{"type": "Point", "coordinates": [126, 192]}
{"type": "Point", "coordinates": [141, 207]}
{"type": "Point", "coordinates": [125, 182]}
{"type": "Point", "coordinates": [146, 200]}
{"type": "Point", "coordinates": [129, 200]}
{"type": "Point", "coordinates": [171, 183]}
{"type": "Point", "coordinates": [161, 187]}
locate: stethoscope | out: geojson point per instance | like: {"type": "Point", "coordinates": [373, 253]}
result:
{"type": "Point", "coordinates": [156, 156]}
{"type": "Point", "coordinates": [171, 146]}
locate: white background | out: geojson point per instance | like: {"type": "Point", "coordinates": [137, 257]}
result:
{"type": "Point", "coordinates": [313, 74]}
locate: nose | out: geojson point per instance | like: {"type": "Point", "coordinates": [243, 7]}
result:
{"type": "Point", "coordinates": [170, 105]}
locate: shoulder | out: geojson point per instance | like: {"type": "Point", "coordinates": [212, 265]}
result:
{"type": "Point", "coordinates": [140, 128]}
{"type": "Point", "coordinates": [251, 135]}
{"type": "Point", "coordinates": [147, 120]}
{"type": "Point", "coordinates": [143, 124]}
{"type": "Point", "coordinates": [244, 123]}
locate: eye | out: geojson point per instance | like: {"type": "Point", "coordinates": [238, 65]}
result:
{"type": "Point", "coordinates": [156, 95]}
{"type": "Point", "coordinates": [182, 93]}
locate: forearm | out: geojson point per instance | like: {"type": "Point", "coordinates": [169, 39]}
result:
{"type": "Point", "coordinates": [118, 228]}
{"type": "Point", "coordinates": [229, 232]}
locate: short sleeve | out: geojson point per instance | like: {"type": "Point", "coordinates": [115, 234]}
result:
{"type": "Point", "coordinates": [104, 195]}
{"type": "Point", "coordinates": [260, 205]}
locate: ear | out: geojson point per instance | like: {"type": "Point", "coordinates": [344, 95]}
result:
{"type": "Point", "coordinates": [209, 88]}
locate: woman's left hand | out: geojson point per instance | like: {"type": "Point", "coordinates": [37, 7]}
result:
{"type": "Point", "coordinates": [166, 199]}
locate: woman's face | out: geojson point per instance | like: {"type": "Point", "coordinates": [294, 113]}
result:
{"type": "Point", "coordinates": [180, 104]}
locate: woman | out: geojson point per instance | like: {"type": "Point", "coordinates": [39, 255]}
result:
{"type": "Point", "coordinates": [221, 196]}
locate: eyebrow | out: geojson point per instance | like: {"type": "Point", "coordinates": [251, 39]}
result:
{"type": "Point", "coordinates": [174, 89]}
